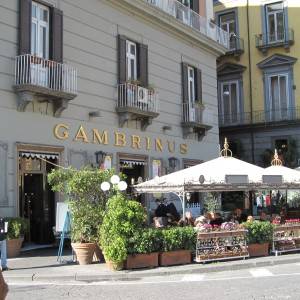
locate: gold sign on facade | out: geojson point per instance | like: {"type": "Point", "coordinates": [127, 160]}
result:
{"type": "Point", "coordinates": [62, 132]}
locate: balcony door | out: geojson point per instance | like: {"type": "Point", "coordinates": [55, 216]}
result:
{"type": "Point", "coordinates": [275, 22]}
{"type": "Point", "coordinates": [230, 102]}
{"type": "Point", "coordinates": [39, 70]}
{"type": "Point", "coordinates": [279, 98]}
{"type": "Point", "coordinates": [228, 24]}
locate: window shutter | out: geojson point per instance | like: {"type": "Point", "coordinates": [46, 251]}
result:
{"type": "Point", "coordinates": [184, 74]}
{"type": "Point", "coordinates": [198, 85]}
{"type": "Point", "coordinates": [122, 59]}
{"type": "Point", "coordinates": [196, 6]}
{"type": "Point", "coordinates": [143, 65]}
{"type": "Point", "coordinates": [56, 37]}
{"type": "Point", "coordinates": [25, 27]}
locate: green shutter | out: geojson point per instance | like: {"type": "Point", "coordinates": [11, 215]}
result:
{"type": "Point", "coordinates": [143, 65]}
{"type": "Point", "coordinates": [56, 36]}
{"type": "Point", "coordinates": [25, 7]}
{"type": "Point", "coordinates": [121, 59]}
{"type": "Point", "coordinates": [198, 85]}
{"type": "Point", "coordinates": [184, 77]}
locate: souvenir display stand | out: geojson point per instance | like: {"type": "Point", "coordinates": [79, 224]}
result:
{"type": "Point", "coordinates": [286, 238]}
{"type": "Point", "coordinates": [221, 245]}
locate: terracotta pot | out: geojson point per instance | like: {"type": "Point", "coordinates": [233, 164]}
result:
{"type": "Point", "coordinates": [14, 247]}
{"type": "Point", "coordinates": [179, 257]}
{"type": "Point", "coordinates": [258, 249]}
{"type": "Point", "coordinates": [137, 261]}
{"type": "Point", "coordinates": [114, 266]}
{"type": "Point", "coordinates": [84, 252]}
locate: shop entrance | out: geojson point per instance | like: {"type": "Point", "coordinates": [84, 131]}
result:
{"type": "Point", "coordinates": [135, 171]}
{"type": "Point", "coordinates": [36, 199]}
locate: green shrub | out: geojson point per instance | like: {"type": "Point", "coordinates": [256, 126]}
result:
{"type": "Point", "coordinates": [145, 240]}
{"type": "Point", "coordinates": [178, 238]}
{"type": "Point", "coordinates": [87, 202]}
{"type": "Point", "coordinates": [259, 232]}
{"type": "Point", "coordinates": [17, 227]}
{"type": "Point", "coordinates": [122, 220]}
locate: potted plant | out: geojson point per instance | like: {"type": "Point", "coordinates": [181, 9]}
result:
{"type": "Point", "coordinates": [177, 246]}
{"type": "Point", "coordinates": [143, 250]}
{"type": "Point", "coordinates": [259, 236]}
{"type": "Point", "coordinates": [122, 220]}
{"type": "Point", "coordinates": [17, 228]}
{"type": "Point", "coordinates": [87, 204]}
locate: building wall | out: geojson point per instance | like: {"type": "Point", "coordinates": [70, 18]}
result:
{"type": "Point", "coordinates": [90, 44]}
{"type": "Point", "coordinates": [262, 139]}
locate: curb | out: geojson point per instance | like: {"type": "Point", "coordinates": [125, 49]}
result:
{"type": "Point", "coordinates": [138, 274]}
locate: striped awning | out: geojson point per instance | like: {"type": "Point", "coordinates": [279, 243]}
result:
{"type": "Point", "coordinates": [132, 162]}
{"type": "Point", "coordinates": [38, 155]}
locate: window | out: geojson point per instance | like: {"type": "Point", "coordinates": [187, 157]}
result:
{"type": "Point", "coordinates": [131, 55]}
{"type": "Point", "coordinates": [230, 102]}
{"type": "Point", "coordinates": [40, 31]}
{"type": "Point", "coordinates": [191, 86]}
{"type": "Point", "coordinates": [228, 23]}
{"type": "Point", "coordinates": [279, 97]}
{"type": "Point", "coordinates": [275, 22]}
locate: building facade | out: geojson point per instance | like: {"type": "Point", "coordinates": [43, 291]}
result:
{"type": "Point", "coordinates": [126, 84]}
{"type": "Point", "coordinates": [258, 79]}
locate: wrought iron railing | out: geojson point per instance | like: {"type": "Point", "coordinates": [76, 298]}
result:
{"type": "Point", "coordinates": [271, 39]}
{"type": "Point", "coordinates": [260, 116]}
{"type": "Point", "coordinates": [192, 19]}
{"type": "Point", "coordinates": [35, 71]}
{"type": "Point", "coordinates": [192, 113]}
{"type": "Point", "coordinates": [134, 96]}
{"type": "Point", "coordinates": [236, 44]}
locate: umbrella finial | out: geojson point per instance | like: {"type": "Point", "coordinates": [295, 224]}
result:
{"type": "Point", "coordinates": [226, 152]}
{"type": "Point", "coordinates": [276, 161]}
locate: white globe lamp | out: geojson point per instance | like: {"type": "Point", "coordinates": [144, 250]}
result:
{"type": "Point", "coordinates": [122, 185]}
{"type": "Point", "coordinates": [105, 186]}
{"type": "Point", "coordinates": [115, 179]}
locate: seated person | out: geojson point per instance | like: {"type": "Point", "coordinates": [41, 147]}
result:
{"type": "Point", "coordinates": [200, 221]}
{"type": "Point", "coordinates": [216, 219]}
{"type": "Point", "coordinates": [239, 216]}
{"type": "Point", "coordinates": [263, 216]}
{"type": "Point", "coordinates": [250, 219]}
{"type": "Point", "coordinates": [188, 220]}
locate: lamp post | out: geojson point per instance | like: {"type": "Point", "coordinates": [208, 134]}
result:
{"type": "Point", "coordinates": [100, 158]}
{"type": "Point", "coordinates": [115, 182]}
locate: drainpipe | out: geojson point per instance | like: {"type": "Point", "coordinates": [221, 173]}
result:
{"type": "Point", "coordinates": [250, 85]}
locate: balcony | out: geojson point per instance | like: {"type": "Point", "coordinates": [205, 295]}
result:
{"type": "Point", "coordinates": [235, 119]}
{"type": "Point", "coordinates": [192, 120]}
{"type": "Point", "coordinates": [44, 80]}
{"type": "Point", "coordinates": [261, 117]}
{"type": "Point", "coordinates": [236, 46]}
{"type": "Point", "coordinates": [280, 39]}
{"type": "Point", "coordinates": [190, 18]}
{"type": "Point", "coordinates": [136, 103]}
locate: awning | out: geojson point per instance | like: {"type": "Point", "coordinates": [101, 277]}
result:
{"type": "Point", "coordinates": [38, 155]}
{"type": "Point", "coordinates": [130, 163]}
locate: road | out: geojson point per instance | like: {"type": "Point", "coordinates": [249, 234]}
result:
{"type": "Point", "coordinates": [276, 282]}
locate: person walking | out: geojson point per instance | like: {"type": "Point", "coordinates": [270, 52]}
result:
{"type": "Point", "coordinates": [3, 232]}
{"type": "Point", "coordinates": [3, 287]}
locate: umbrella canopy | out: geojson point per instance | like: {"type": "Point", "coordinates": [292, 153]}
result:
{"type": "Point", "coordinates": [224, 171]}
{"type": "Point", "coordinates": [288, 175]}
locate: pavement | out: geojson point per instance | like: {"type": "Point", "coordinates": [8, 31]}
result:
{"type": "Point", "coordinates": [41, 265]}
{"type": "Point", "coordinates": [276, 282]}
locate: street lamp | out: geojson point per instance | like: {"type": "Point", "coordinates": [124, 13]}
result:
{"type": "Point", "coordinates": [114, 181]}
{"type": "Point", "coordinates": [100, 157]}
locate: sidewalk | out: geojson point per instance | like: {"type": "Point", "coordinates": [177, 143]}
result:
{"type": "Point", "coordinates": [41, 265]}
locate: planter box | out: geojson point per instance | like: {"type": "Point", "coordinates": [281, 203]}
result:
{"type": "Point", "coordinates": [179, 257]}
{"type": "Point", "coordinates": [138, 261]}
{"type": "Point", "coordinates": [258, 249]}
{"type": "Point", "coordinates": [114, 266]}
{"type": "Point", "coordinates": [14, 247]}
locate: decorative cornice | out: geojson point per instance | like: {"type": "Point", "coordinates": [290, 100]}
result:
{"type": "Point", "coordinates": [157, 17]}
{"type": "Point", "coordinates": [277, 60]}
